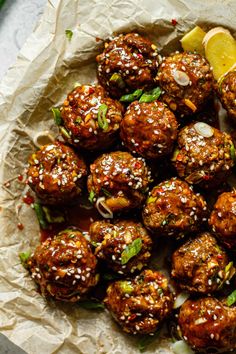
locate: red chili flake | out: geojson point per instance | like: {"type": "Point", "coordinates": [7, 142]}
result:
{"type": "Point", "coordinates": [138, 165]}
{"type": "Point", "coordinates": [139, 56]}
{"type": "Point", "coordinates": [20, 226]}
{"type": "Point", "coordinates": [91, 90]}
{"type": "Point", "coordinates": [132, 317]}
{"type": "Point", "coordinates": [20, 178]}
{"type": "Point", "coordinates": [174, 22]}
{"type": "Point", "coordinates": [206, 177]}
{"type": "Point", "coordinates": [28, 199]}
{"type": "Point", "coordinates": [219, 256]}
{"type": "Point", "coordinates": [179, 157]}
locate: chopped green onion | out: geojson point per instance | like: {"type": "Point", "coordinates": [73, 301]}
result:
{"type": "Point", "coordinates": [231, 299]}
{"type": "Point", "coordinates": [108, 194]}
{"type": "Point", "coordinates": [69, 34]}
{"type": "Point", "coordinates": [132, 96]}
{"type": "Point", "coordinates": [118, 80]}
{"type": "Point", "coordinates": [175, 154]}
{"type": "Point", "coordinates": [151, 199]}
{"type": "Point", "coordinates": [64, 132]}
{"type": "Point", "coordinates": [102, 121]}
{"type": "Point", "coordinates": [41, 216]}
{"type": "Point", "coordinates": [78, 120]}
{"type": "Point", "coordinates": [150, 96]}
{"type": "Point", "coordinates": [91, 305]}
{"type": "Point", "coordinates": [146, 340]}
{"type": "Point", "coordinates": [91, 196]}
{"type": "Point", "coordinates": [232, 152]}
{"type": "Point", "coordinates": [57, 115]}
{"type": "Point", "coordinates": [53, 216]}
{"type": "Point", "coordinates": [24, 257]}
{"type": "Point", "coordinates": [126, 287]}
{"type": "Point", "coordinates": [131, 250]}
{"type": "Point", "coordinates": [228, 267]}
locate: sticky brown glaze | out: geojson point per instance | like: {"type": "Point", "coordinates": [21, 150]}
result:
{"type": "Point", "coordinates": [80, 124]}
{"type": "Point", "coordinates": [208, 323]}
{"type": "Point", "coordinates": [149, 129]}
{"type": "Point", "coordinates": [116, 238]}
{"type": "Point", "coordinates": [139, 305]}
{"type": "Point", "coordinates": [121, 179]}
{"type": "Point", "coordinates": [64, 267]}
{"type": "Point", "coordinates": [173, 209]}
{"type": "Point", "coordinates": [227, 93]}
{"type": "Point", "coordinates": [128, 62]}
{"type": "Point", "coordinates": [223, 219]}
{"type": "Point", "coordinates": [56, 173]}
{"type": "Point", "coordinates": [188, 99]}
{"type": "Point", "coordinates": [205, 161]}
{"type": "Point", "coordinates": [201, 265]}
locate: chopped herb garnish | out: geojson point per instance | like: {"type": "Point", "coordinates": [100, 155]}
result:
{"type": "Point", "coordinates": [41, 216]}
{"type": "Point", "coordinates": [231, 299]}
{"type": "Point", "coordinates": [118, 80]}
{"type": "Point", "coordinates": [146, 340]}
{"type": "Point", "coordinates": [232, 152]}
{"type": "Point", "coordinates": [151, 199]}
{"type": "Point", "coordinates": [102, 121]}
{"type": "Point", "coordinates": [78, 120]}
{"type": "Point", "coordinates": [93, 243]}
{"type": "Point", "coordinates": [91, 305]}
{"type": "Point", "coordinates": [228, 267]}
{"type": "Point", "coordinates": [131, 250]}
{"type": "Point", "coordinates": [64, 132]}
{"type": "Point", "coordinates": [126, 286]}
{"type": "Point", "coordinates": [150, 96]}
{"type": "Point", "coordinates": [53, 216]}
{"type": "Point", "coordinates": [132, 96]}
{"type": "Point", "coordinates": [57, 115]}
{"type": "Point", "coordinates": [108, 194]}
{"type": "Point", "coordinates": [24, 257]}
{"type": "Point", "coordinates": [69, 34]}
{"type": "Point", "coordinates": [91, 196]}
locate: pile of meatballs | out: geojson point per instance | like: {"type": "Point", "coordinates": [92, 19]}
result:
{"type": "Point", "coordinates": [140, 115]}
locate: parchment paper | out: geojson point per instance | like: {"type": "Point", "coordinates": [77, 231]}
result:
{"type": "Point", "coordinates": [47, 68]}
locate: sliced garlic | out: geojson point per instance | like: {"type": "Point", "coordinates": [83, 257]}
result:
{"type": "Point", "coordinates": [204, 129]}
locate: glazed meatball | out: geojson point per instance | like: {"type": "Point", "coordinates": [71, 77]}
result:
{"type": "Point", "coordinates": [223, 219]}
{"type": "Point", "coordinates": [139, 305]}
{"type": "Point", "coordinates": [204, 155]}
{"type": "Point", "coordinates": [227, 93]}
{"type": "Point", "coordinates": [125, 247]}
{"type": "Point", "coordinates": [56, 173]}
{"type": "Point", "coordinates": [64, 267]}
{"type": "Point", "coordinates": [201, 265]}
{"type": "Point", "coordinates": [208, 323]}
{"type": "Point", "coordinates": [118, 181]}
{"type": "Point", "coordinates": [128, 62]}
{"type": "Point", "coordinates": [173, 209]}
{"type": "Point", "coordinates": [187, 81]}
{"type": "Point", "coordinates": [90, 119]}
{"type": "Point", "coordinates": [149, 129]}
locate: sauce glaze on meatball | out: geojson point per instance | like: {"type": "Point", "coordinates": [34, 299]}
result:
{"type": "Point", "coordinates": [227, 93]}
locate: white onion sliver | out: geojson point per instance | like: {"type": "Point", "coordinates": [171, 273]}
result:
{"type": "Point", "coordinates": [180, 299]}
{"type": "Point", "coordinates": [42, 138]}
{"type": "Point", "coordinates": [101, 202]}
{"type": "Point", "coordinates": [200, 320]}
{"type": "Point", "coordinates": [181, 78]}
{"type": "Point", "coordinates": [181, 347]}
{"type": "Point", "coordinates": [204, 129]}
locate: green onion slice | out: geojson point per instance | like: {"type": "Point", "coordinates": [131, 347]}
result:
{"type": "Point", "coordinates": [132, 96]}
{"type": "Point", "coordinates": [118, 80]}
{"type": "Point", "coordinates": [231, 299]}
{"type": "Point", "coordinates": [91, 196]}
{"type": "Point", "coordinates": [57, 115]}
{"type": "Point", "coordinates": [102, 121]}
{"type": "Point", "coordinates": [131, 250]}
{"type": "Point", "coordinates": [91, 305]}
{"type": "Point", "coordinates": [53, 216]}
{"type": "Point", "coordinates": [146, 340]}
{"type": "Point", "coordinates": [41, 216]}
{"type": "Point", "coordinates": [150, 96]}
{"type": "Point", "coordinates": [69, 34]}
{"type": "Point", "coordinates": [232, 152]}
{"type": "Point", "coordinates": [24, 257]}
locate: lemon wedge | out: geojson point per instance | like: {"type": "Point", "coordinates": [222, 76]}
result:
{"type": "Point", "coordinates": [192, 41]}
{"type": "Point", "coordinates": [220, 50]}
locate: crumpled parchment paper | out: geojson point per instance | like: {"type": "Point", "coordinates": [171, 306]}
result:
{"type": "Point", "coordinates": [47, 68]}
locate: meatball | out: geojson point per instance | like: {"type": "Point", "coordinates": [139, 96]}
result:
{"type": "Point", "coordinates": [64, 267]}
{"type": "Point", "coordinates": [204, 155]}
{"type": "Point", "coordinates": [201, 265]}
{"type": "Point", "coordinates": [187, 81]}
{"type": "Point", "coordinates": [90, 119]}
{"type": "Point", "coordinates": [118, 181]}
{"type": "Point", "coordinates": [173, 209]}
{"type": "Point", "coordinates": [223, 219]}
{"type": "Point", "coordinates": [128, 62]}
{"type": "Point", "coordinates": [208, 323]}
{"type": "Point", "coordinates": [56, 173]}
{"type": "Point", "coordinates": [149, 129]}
{"type": "Point", "coordinates": [125, 247]}
{"type": "Point", "coordinates": [227, 93]}
{"type": "Point", "coordinates": [139, 305]}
